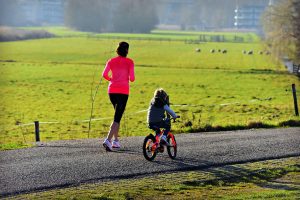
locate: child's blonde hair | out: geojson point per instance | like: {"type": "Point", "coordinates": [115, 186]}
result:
{"type": "Point", "coordinates": [160, 93]}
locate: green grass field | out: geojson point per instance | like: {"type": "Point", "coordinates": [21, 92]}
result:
{"type": "Point", "coordinates": [50, 80]}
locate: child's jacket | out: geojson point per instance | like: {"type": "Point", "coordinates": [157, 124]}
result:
{"type": "Point", "coordinates": [156, 111]}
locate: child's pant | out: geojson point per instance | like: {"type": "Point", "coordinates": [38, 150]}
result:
{"type": "Point", "coordinates": [165, 124]}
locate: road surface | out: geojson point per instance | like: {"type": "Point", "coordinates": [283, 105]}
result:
{"type": "Point", "coordinates": [70, 163]}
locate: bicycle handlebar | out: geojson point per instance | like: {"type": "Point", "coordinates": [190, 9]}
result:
{"type": "Point", "coordinates": [174, 119]}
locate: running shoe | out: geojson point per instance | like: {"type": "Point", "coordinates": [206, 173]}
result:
{"type": "Point", "coordinates": [116, 144]}
{"type": "Point", "coordinates": [107, 145]}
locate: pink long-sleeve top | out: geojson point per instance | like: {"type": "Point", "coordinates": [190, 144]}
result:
{"type": "Point", "coordinates": [122, 71]}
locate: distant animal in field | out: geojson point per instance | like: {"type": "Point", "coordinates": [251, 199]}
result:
{"type": "Point", "coordinates": [244, 51]}
{"type": "Point", "coordinates": [260, 52]}
{"type": "Point", "coordinates": [197, 50]}
{"type": "Point", "coordinates": [250, 52]}
{"type": "Point", "coordinates": [212, 51]}
{"type": "Point", "coordinates": [224, 51]}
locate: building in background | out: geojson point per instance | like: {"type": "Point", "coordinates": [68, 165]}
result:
{"type": "Point", "coordinates": [210, 15]}
{"type": "Point", "coordinates": [52, 11]}
{"type": "Point", "coordinates": [248, 17]}
{"type": "Point", "coordinates": [42, 12]}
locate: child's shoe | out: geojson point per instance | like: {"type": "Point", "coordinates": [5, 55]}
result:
{"type": "Point", "coordinates": [107, 145]}
{"type": "Point", "coordinates": [116, 144]}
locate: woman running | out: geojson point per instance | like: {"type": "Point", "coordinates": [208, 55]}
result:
{"type": "Point", "coordinates": [122, 71]}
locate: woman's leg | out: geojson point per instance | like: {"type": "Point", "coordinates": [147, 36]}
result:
{"type": "Point", "coordinates": [113, 126]}
{"type": "Point", "coordinates": [119, 110]}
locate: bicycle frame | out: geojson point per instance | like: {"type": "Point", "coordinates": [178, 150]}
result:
{"type": "Point", "coordinates": [157, 138]}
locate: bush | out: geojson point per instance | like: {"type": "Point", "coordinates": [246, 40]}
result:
{"type": "Point", "coordinates": [12, 34]}
{"type": "Point", "coordinates": [291, 123]}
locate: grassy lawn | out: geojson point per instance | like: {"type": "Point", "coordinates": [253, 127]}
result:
{"type": "Point", "coordinates": [273, 179]}
{"type": "Point", "coordinates": [50, 80]}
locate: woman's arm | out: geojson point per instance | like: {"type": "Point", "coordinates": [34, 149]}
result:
{"type": "Point", "coordinates": [106, 71]}
{"type": "Point", "coordinates": [131, 72]}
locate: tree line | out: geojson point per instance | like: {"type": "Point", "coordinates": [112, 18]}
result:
{"type": "Point", "coordinates": [130, 16]}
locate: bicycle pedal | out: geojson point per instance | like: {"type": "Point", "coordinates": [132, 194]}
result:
{"type": "Point", "coordinates": [160, 149]}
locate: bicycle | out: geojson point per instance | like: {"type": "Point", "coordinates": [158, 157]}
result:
{"type": "Point", "coordinates": [152, 146]}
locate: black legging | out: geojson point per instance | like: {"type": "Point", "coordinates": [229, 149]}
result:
{"type": "Point", "coordinates": [119, 102]}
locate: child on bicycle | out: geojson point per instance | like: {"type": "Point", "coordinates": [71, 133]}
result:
{"type": "Point", "coordinates": [156, 114]}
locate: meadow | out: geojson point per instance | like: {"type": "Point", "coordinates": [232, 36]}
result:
{"type": "Point", "coordinates": [52, 80]}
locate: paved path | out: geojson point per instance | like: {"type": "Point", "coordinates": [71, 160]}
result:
{"type": "Point", "coordinates": [69, 163]}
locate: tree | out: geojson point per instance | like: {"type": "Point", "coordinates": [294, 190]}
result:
{"type": "Point", "coordinates": [135, 16]}
{"type": "Point", "coordinates": [296, 28]}
{"type": "Point", "coordinates": [281, 23]}
{"type": "Point", "coordinates": [129, 16]}
{"type": "Point", "coordinates": [86, 15]}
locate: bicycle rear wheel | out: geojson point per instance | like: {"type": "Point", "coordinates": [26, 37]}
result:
{"type": "Point", "coordinates": [149, 149]}
{"type": "Point", "coordinates": [172, 149]}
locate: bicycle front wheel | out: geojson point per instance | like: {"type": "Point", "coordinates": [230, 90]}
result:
{"type": "Point", "coordinates": [172, 149]}
{"type": "Point", "coordinates": [149, 149]}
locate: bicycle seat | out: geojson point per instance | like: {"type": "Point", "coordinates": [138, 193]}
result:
{"type": "Point", "coordinates": [155, 128]}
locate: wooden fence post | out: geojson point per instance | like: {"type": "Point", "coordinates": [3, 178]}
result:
{"type": "Point", "coordinates": [295, 99]}
{"type": "Point", "coordinates": [37, 131]}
